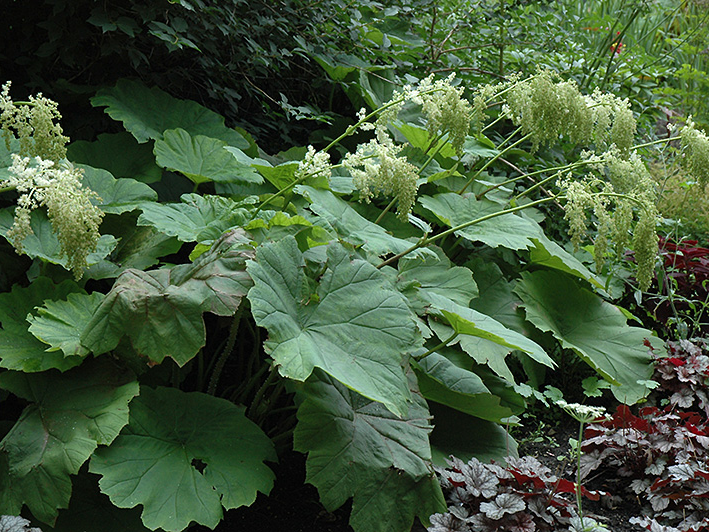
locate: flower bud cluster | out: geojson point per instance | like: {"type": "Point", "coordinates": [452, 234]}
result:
{"type": "Point", "coordinates": [58, 188]}
{"type": "Point", "coordinates": [36, 125]}
{"type": "Point", "coordinates": [315, 164]}
{"type": "Point", "coordinates": [624, 194]}
{"type": "Point", "coordinates": [695, 152]}
{"type": "Point", "coordinates": [377, 169]}
{"type": "Point", "coordinates": [442, 104]}
{"type": "Point", "coordinates": [583, 413]}
{"type": "Point", "coordinates": [546, 109]}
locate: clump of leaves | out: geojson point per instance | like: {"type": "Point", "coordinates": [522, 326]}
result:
{"type": "Point", "coordinates": [525, 496]}
{"type": "Point", "coordinates": [684, 375]}
{"type": "Point", "coordinates": [682, 298]}
{"type": "Point", "coordinates": [662, 457]}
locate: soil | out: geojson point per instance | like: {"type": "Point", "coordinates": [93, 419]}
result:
{"type": "Point", "coordinates": [293, 505]}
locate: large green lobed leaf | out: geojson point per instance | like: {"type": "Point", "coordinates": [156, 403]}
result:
{"type": "Point", "coordinates": [596, 330]}
{"type": "Point", "coordinates": [160, 311]}
{"type": "Point", "coordinates": [155, 461]}
{"type": "Point", "coordinates": [357, 448]}
{"type": "Point", "coordinates": [19, 349]}
{"type": "Point", "coordinates": [197, 219]}
{"type": "Point", "coordinates": [353, 325]}
{"type": "Point", "coordinates": [201, 158]}
{"type": "Point", "coordinates": [69, 415]}
{"type": "Point", "coordinates": [148, 112]}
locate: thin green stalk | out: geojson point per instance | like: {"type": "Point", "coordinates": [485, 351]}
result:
{"type": "Point", "coordinates": [493, 159]}
{"type": "Point", "coordinates": [262, 390]}
{"type": "Point", "coordinates": [228, 348]}
{"type": "Point", "coordinates": [578, 473]}
{"type": "Point", "coordinates": [569, 166]}
{"type": "Point", "coordinates": [654, 142]}
{"type": "Point", "coordinates": [439, 346]}
{"type": "Point", "coordinates": [386, 209]}
{"type": "Point", "coordinates": [613, 54]}
{"type": "Point", "coordinates": [428, 240]}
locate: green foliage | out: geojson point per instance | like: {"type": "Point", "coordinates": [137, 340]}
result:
{"type": "Point", "coordinates": [172, 432]}
{"type": "Point", "coordinates": [286, 301]}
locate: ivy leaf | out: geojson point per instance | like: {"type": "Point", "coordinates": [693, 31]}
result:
{"type": "Point", "coordinates": [117, 195]}
{"type": "Point", "coordinates": [69, 416]}
{"type": "Point", "coordinates": [354, 228]}
{"type": "Point", "coordinates": [120, 154]}
{"type": "Point", "coordinates": [172, 432]}
{"type": "Point", "coordinates": [197, 219]}
{"type": "Point", "coordinates": [597, 331]}
{"type": "Point", "coordinates": [338, 326]}
{"type": "Point", "coordinates": [508, 230]}
{"type": "Point", "coordinates": [357, 448]}
{"type": "Point", "coordinates": [59, 323]}
{"type": "Point", "coordinates": [160, 311]}
{"type": "Point", "coordinates": [147, 113]}
{"type": "Point", "coordinates": [201, 158]}
{"type": "Point", "coordinates": [442, 381]}
{"type": "Point", "coordinates": [19, 350]}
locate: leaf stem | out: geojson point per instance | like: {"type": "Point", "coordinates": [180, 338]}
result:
{"type": "Point", "coordinates": [493, 159]}
{"type": "Point", "coordinates": [228, 348]}
{"type": "Point", "coordinates": [424, 241]}
{"type": "Point", "coordinates": [436, 348]}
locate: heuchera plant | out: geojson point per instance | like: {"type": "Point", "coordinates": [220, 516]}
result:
{"type": "Point", "coordinates": [662, 456]}
{"type": "Point", "coordinates": [684, 375]}
{"type": "Point", "coordinates": [524, 496]}
{"type": "Point", "coordinates": [683, 285]}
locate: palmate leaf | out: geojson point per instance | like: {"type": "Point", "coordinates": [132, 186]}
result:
{"type": "Point", "coordinates": [468, 322]}
{"type": "Point", "coordinates": [197, 219]}
{"type": "Point", "coordinates": [508, 230]}
{"type": "Point", "coordinates": [92, 511]}
{"type": "Point", "coordinates": [19, 350]}
{"type": "Point", "coordinates": [160, 311]}
{"type": "Point", "coordinates": [437, 275]}
{"type": "Point", "coordinates": [354, 228]}
{"type": "Point", "coordinates": [201, 159]}
{"type": "Point", "coordinates": [464, 436]}
{"type": "Point", "coordinates": [597, 331]}
{"type": "Point", "coordinates": [442, 381]}
{"type": "Point", "coordinates": [354, 326]}
{"type": "Point", "coordinates": [59, 323]}
{"type": "Point", "coordinates": [357, 448]}
{"type": "Point", "coordinates": [120, 154]}
{"type": "Point", "coordinates": [117, 195]}
{"type": "Point", "coordinates": [69, 416]}
{"type": "Point", "coordinates": [147, 113]}
{"type": "Point", "coordinates": [155, 460]}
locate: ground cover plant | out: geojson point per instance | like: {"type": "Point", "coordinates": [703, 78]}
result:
{"type": "Point", "coordinates": [179, 302]}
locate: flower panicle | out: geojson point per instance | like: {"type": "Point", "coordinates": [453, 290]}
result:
{"type": "Point", "coordinates": [35, 124]}
{"type": "Point", "coordinates": [74, 218]}
{"type": "Point", "coordinates": [546, 108]}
